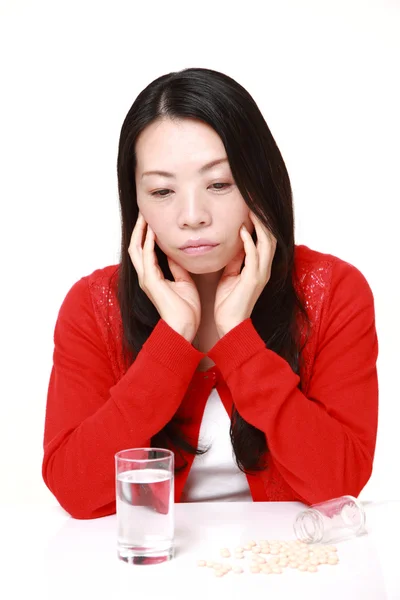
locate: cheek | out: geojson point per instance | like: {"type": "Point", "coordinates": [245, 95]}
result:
{"type": "Point", "coordinates": [152, 217]}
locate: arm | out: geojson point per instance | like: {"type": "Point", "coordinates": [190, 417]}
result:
{"type": "Point", "coordinates": [323, 444]}
{"type": "Point", "coordinates": [90, 416]}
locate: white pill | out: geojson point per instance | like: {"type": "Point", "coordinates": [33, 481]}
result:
{"type": "Point", "coordinates": [239, 549]}
{"type": "Point", "coordinates": [283, 562]}
{"type": "Point", "coordinates": [276, 570]}
{"type": "Point", "coordinates": [225, 552]}
{"type": "Point", "coordinates": [201, 563]}
{"type": "Point", "coordinates": [266, 569]}
{"type": "Point", "coordinates": [312, 569]}
{"type": "Point", "coordinates": [256, 549]}
{"type": "Point", "coordinates": [210, 563]}
{"type": "Point", "coordinates": [237, 570]}
{"type": "Point", "coordinates": [302, 567]}
{"type": "Point", "coordinates": [255, 569]}
{"type": "Point", "coordinates": [227, 568]}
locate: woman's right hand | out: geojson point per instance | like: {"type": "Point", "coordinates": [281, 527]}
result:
{"type": "Point", "coordinates": [178, 301]}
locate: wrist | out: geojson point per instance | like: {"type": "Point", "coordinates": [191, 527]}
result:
{"type": "Point", "coordinates": [186, 331]}
{"type": "Point", "coordinates": [225, 328]}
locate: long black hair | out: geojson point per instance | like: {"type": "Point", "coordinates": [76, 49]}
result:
{"type": "Point", "coordinates": [261, 176]}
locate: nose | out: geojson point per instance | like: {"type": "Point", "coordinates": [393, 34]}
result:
{"type": "Point", "coordinates": [193, 213]}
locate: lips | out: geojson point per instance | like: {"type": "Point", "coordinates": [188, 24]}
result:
{"type": "Point", "coordinates": [198, 249]}
{"type": "Point", "coordinates": [201, 242]}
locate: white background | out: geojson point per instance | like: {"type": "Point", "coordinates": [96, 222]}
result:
{"type": "Point", "coordinates": [325, 75]}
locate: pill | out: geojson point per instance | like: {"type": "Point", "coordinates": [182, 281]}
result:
{"type": "Point", "coordinates": [276, 570]}
{"type": "Point", "coordinates": [237, 570]}
{"type": "Point", "coordinates": [266, 569]}
{"type": "Point", "coordinates": [201, 563]}
{"type": "Point", "coordinates": [210, 563]}
{"type": "Point", "coordinates": [283, 562]}
{"type": "Point", "coordinates": [312, 569]}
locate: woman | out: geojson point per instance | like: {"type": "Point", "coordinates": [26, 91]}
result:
{"type": "Point", "coordinates": [252, 358]}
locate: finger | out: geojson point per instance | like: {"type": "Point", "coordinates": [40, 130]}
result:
{"type": "Point", "coordinates": [261, 231]}
{"type": "Point", "coordinates": [178, 272]}
{"type": "Point", "coordinates": [266, 244]}
{"type": "Point", "coordinates": [150, 263]}
{"type": "Point", "coordinates": [136, 244]}
{"type": "Point", "coordinates": [232, 269]}
{"type": "Point", "coordinates": [251, 258]}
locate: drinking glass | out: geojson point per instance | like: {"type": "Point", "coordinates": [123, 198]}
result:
{"type": "Point", "coordinates": [145, 505]}
{"type": "Point", "coordinates": [331, 521]}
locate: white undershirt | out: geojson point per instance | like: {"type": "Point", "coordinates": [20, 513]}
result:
{"type": "Point", "coordinates": [215, 476]}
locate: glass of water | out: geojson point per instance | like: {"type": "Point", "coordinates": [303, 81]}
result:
{"type": "Point", "coordinates": [145, 505]}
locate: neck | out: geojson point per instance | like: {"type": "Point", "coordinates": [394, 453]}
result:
{"type": "Point", "coordinates": [207, 284]}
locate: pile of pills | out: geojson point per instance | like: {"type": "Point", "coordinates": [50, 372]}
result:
{"type": "Point", "coordinates": [271, 557]}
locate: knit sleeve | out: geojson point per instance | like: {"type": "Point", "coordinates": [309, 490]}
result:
{"type": "Point", "coordinates": [323, 444]}
{"type": "Point", "coordinates": [90, 416]}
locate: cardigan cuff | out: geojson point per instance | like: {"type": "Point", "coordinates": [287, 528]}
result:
{"type": "Point", "coordinates": [236, 347]}
{"type": "Point", "coordinates": [170, 349]}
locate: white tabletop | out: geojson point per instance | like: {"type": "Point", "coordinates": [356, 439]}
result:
{"type": "Point", "coordinates": [45, 553]}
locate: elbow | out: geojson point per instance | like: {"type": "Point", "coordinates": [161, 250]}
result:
{"type": "Point", "coordinates": [351, 482]}
{"type": "Point", "coordinates": [348, 481]}
{"type": "Point", "coordinates": [72, 500]}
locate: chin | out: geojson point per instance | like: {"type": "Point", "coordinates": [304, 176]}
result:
{"type": "Point", "coordinates": [197, 268]}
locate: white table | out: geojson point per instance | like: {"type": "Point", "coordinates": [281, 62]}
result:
{"type": "Point", "coordinates": [46, 554]}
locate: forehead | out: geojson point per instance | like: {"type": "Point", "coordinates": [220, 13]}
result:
{"type": "Point", "coordinates": [167, 142]}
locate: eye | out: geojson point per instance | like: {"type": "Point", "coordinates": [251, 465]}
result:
{"type": "Point", "coordinates": [221, 186]}
{"type": "Point", "coordinates": [161, 193]}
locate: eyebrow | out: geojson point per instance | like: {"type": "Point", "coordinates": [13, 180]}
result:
{"type": "Point", "coordinates": [203, 169]}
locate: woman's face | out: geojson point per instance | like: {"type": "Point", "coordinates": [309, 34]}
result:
{"type": "Point", "coordinates": [193, 199]}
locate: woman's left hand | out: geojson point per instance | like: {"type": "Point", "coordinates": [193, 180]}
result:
{"type": "Point", "coordinates": [237, 292]}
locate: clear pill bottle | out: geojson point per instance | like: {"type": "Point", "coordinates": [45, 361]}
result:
{"type": "Point", "coordinates": [331, 521]}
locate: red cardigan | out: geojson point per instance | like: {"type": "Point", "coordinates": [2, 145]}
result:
{"type": "Point", "coordinates": [321, 440]}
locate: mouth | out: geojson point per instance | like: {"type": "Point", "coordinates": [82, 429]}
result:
{"type": "Point", "coordinates": [198, 250]}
